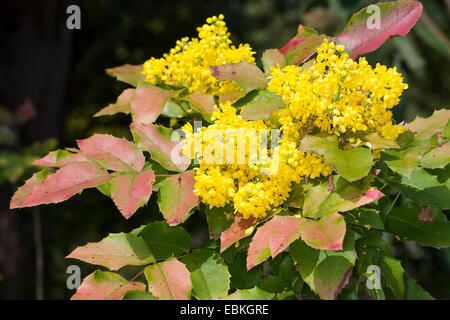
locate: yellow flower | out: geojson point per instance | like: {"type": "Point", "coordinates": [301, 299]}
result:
{"type": "Point", "coordinates": [187, 64]}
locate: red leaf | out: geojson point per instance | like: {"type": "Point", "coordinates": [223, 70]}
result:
{"type": "Point", "coordinates": [325, 234]}
{"type": "Point", "coordinates": [236, 232]}
{"type": "Point", "coordinates": [114, 153]}
{"type": "Point", "coordinates": [66, 182]}
{"type": "Point", "coordinates": [169, 280]}
{"type": "Point", "coordinates": [158, 141]}
{"type": "Point", "coordinates": [123, 104]}
{"type": "Point", "coordinates": [149, 101]}
{"type": "Point", "coordinates": [127, 73]}
{"type": "Point", "coordinates": [397, 18]}
{"type": "Point", "coordinates": [59, 158]}
{"type": "Point", "coordinates": [302, 46]}
{"type": "Point", "coordinates": [176, 197]}
{"type": "Point", "coordinates": [247, 75]}
{"type": "Point", "coordinates": [132, 191]}
{"type": "Point", "coordinates": [202, 103]}
{"type": "Point", "coordinates": [272, 238]}
{"type": "Point", "coordinates": [22, 194]}
{"type": "Point", "coordinates": [105, 286]}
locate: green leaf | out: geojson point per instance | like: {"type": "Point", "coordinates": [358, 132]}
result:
{"type": "Point", "coordinates": [169, 280]}
{"type": "Point", "coordinates": [102, 285]}
{"type": "Point", "coordinates": [414, 291]}
{"type": "Point", "coordinates": [326, 272]}
{"type": "Point", "coordinates": [420, 179]}
{"type": "Point", "coordinates": [367, 218]}
{"type": "Point", "coordinates": [166, 242]}
{"type": "Point", "coordinates": [219, 219]}
{"type": "Point", "coordinates": [249, 294]}
{"type": "Point", "coordinates": [240, 277]}
{"type": "Point", "coordinates": [375, 141]}
{"type": "Point", "coordinates": [115, 251]}
{"type": "Point", "coordinates": [262, 106]}
{"type": "Point", "coordinates": [427, 127]}
{"type": "Point", "coordinates": [437, 158]}
{"type": "Point", "coordinates": [173, 109]}
{"type": "Point", "coordinates": [209, 274]}
{"type": "Point", "coordinates": [427, 225]}
{"type": "Point", "coordinates": [434, 196]}
{"type": "Point", "coordinates": [393, 273]}
{"type": "Point", "coordinates": [138, 295]}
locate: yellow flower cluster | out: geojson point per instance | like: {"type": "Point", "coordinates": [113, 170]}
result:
{"type": "Point", "coordinates": [187, 65]}
{"type": "Point", "coordinates": [338, 95]}
{"type": "Point", "coordinates": [262, 180]}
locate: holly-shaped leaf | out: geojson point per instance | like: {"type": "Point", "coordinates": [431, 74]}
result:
{"type": "Point", "coordinates": [302, 46]}
{"type": "Point", "coordinates": [327, 233]}
{"type": "Point", "coordinates": [131, 191]}
{"type": "Point", "coordinates": [363, 35]}
{"type": "Point", "coordinates": [426, 225]}
{"type": "Point", "coordinates": [262, 106]}
{"type": "Point", "coordinates": [437, 158]}
{"type": "Point", "coordinates": [123, 104]}
{"type": "Point", "coordinates": [60, 186]}
{"type": "Point", "coordinates": [115, 251]}
{"type": "Point", "coordinates": [131, 74]}
{"type": "Point", "coordinates": [427, 127]}
{"type": "Point", "coordinates": [326, 272]}
{"type": "Point", "coordinates": [202, 103]}
{"type": "Point", "coordinates": [59, 158]}
{"type": "Point", "coordinates": [247, 75]}
{"type": "Point", "coordinates": [272, 58]}
{"type": "Point", "coordinates": [209, 274]}
{"type": "Point", "coordinates": [163, 144]}
{"type": "Point", "coordinates": [22, 194]}
{"type": "Point", "coordinates": [102, 285]}
{"type": "Point", "coordinates": [113, 153]}
{"type": "Point", "coordinates": [272, 238]}
{"type": "Point", "coordinates": [149, 101]}
{"type": "Point", "coordinates": [240, 229]}
{"type": "Point", "coordinates": [176, 197]}
{"type": "Point", "coordinates": [169, 280]}
{"type": "Point", "coordinates": [166, 242]}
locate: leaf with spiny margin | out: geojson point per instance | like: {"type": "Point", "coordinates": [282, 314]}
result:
{"type": "Point", "coordinates": [375, 141]}
{"type": "Point", "coordinates": [202, 103]}
{"type": "Point", "coordinates": [249, 294]}
{"type": "Point", "coordinates": [115, 251]}
{"type": "Point", "coordinates": [23, 192]}
{"type": "Point", "coordinates": [427, 226]}
{"type": "Point", "coordinates": [262, 106]}
{"type": "Point", "coordinates": [427, 127]}
{"type": "Point", "coordinates": [113, 153]}
{"type": "Point", "coordinates": [219, 219]}
{"type": "Point", "coordinates": [59, 158]}
{"type": "Point", "coordinates": [131, 191]}
{"type": "Point", "coordinates": [209, 274]}
{"type": "Point", "coordinates": [169, 280]}
{"type": "Point", "coordinates": [393, 273]}
{"type": "Point", "coordinates": [149, 102]}
{"type": "Point", "coordinates": [327, 233]}
{"type": "Point", "coordinates": [437, 158]}
{"type": "Point", "coordinates": [122, 105]}
{"type": "Point", "coordinates": [247, 75]}
{"type": "Point", "coordinates": [63, 184]}
{"type": "Point", "coordinates": [326, 272]}
{"type": "Point", "coordinates": [166, 242]}
{"type": "Point", "coordinates": [272, 238]}
{"type": "Point", "coordinates": [102, 285]}
{"type": "Point", "coordinates": [131, 74]}
{"type": "Point", "coordinates": [176, 197]}
{"type": "Point", "coordinates": [396, 19]}
{"type": "Point", "coordinates": [163, 144]}
{"type": "Point", "coordinates": [302, 46]}
{"type": "Point", "coordinates": [420, 179]}
{"type": "Point", "coordinates": [353, 164]}
{"type": "Point", "coordinates": [272, 58]}
{"type": "Point", "coordinates": [238, 230]}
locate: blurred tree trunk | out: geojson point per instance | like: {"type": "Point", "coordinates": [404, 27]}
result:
{"type": "Point", "coordinates": [35, 62]}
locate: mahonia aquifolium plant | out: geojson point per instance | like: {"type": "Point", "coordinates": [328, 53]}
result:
{"type": "Point", "coordinates": [299, 166]}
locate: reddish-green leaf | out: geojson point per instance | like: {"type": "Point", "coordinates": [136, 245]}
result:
{"type": "Point", "coordinates": [302, 46]}
{"type": "Point", "coordinates": [66, 182]}
{"type": "Point", "coordinates": [262, 106]}
{"type": "Point", "coordinates": [272, 58]}
{"type": "Point", "coordinates": [202, 103]}
{"type": "Point", "coordinates": [130, 74]}
{"type": "Point", "coordinates": [176, 197]}
{"type": "Point", "coordinates": [247, 75]}
{"type": "Point", "coordinates": [437, 158]}
{"type": "Point", "coordinates": [272, 238]}
{"type": "Point", "coordinates": [427, 127]}
{"type": "Point", "coordinates": [163, 144]}
{"type": "Point", "coordinates": [396, 19]}
{"type": "Point", "coordinates": [115, 251]}
{"type": "Point", "coordinates": [149, 101]}
{"type": "Point", "coordinates": [131, 191]}
{"type": "Point", "coordinates": [113, 153]}
{"type": "Point", "coordinates": [169, 280]}
{"type": "Point", "coordinates": [22, 194]}
{"type": "Point", "coordinates": [59, 158]}
{"type": "Point", "coordinates": [238, 230]}
{"type": "Point", "coordinates": [105, 286]}
{"type": "Point", "coordinates": [327, 233]}
{"type": "Point", "coordinates": [123, 104]}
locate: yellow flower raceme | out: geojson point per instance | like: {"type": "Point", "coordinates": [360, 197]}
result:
{"type": "Point", "coordinates": [338, 95]}
{"type": "Point", "coordinates": [187, 65]}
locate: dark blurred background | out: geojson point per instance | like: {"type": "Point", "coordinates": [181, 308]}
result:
{"type": "Point", "coordinates": [52, 81]}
